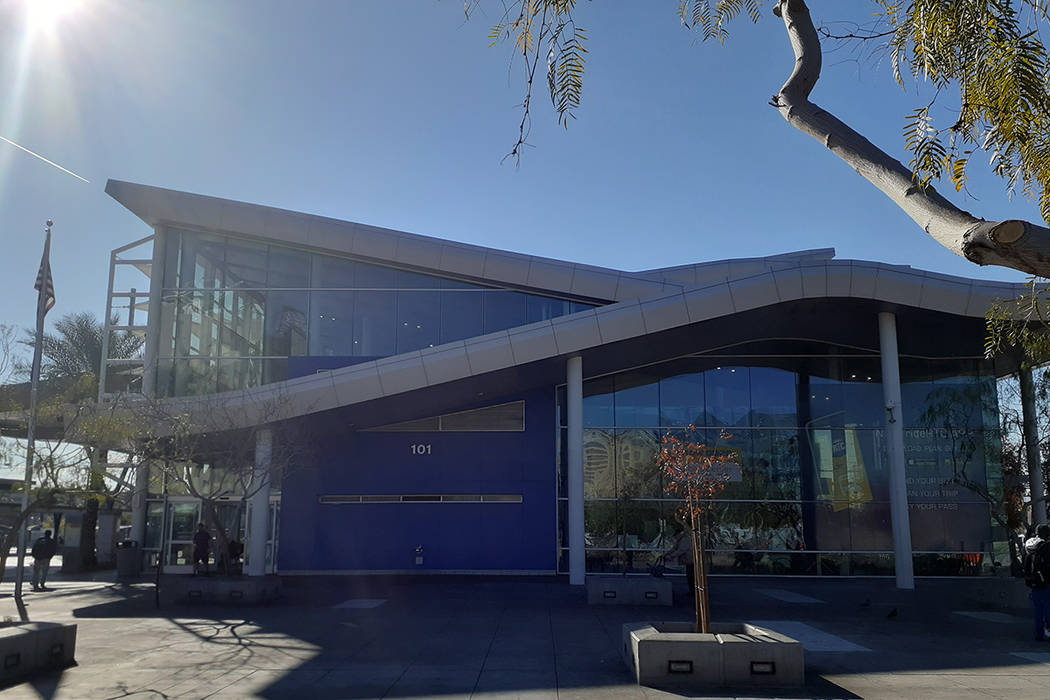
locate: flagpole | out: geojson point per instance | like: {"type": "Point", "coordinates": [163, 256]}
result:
{"type": "Point", "coordinates": [44, 285]}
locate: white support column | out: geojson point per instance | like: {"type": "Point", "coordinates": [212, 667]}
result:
{"type": "Point", "coordinates": [259, 504]}
{"type": "Point", "coordinates": [156, 296]}
{"type": "Point", "coordinates": [138, 503]}
{"type": "Point", "coordinates": [574, 413]}
{"type": "Point", "coordinates": [891, 392]}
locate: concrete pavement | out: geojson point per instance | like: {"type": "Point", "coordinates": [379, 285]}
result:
{"type": "Point", "coordinates": [515, 638]}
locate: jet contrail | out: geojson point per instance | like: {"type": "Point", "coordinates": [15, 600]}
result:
{"type": "Point", "coordinates": [49, 162]}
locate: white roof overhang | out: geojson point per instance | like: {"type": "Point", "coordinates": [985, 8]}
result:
{"type": "Point", "coordinates": [586, 330]}
{"type": "Point", "coordinates": [160, 207]}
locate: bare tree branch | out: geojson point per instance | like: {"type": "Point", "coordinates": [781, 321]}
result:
{"type": "Point", "coordinates": [1013, 243]}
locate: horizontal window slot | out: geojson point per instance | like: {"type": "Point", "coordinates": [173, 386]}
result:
{"type": "Point", "coordinates": [351, 499]}
{"type": "Point", "coordinates": [340, 499]}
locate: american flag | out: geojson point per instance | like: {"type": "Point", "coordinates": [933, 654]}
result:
{"type": "Point", "coordinates": [44, 284]}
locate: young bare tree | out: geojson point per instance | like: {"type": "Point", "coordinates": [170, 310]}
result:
{"type": "Point", "coordinates": [694, 473]}
{"type": "Point", "coordinates": [205, 447]}
{"type": "Point", "coordinates": [60, 470]}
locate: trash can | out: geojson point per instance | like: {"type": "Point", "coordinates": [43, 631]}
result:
{"type": "Point", "coordinates": [129, 559]}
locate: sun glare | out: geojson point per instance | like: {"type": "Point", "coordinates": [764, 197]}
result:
{"type": "Point", "coordinates": [44, 15]}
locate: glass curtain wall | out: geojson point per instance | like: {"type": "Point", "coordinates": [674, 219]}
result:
{"type": "Point", "coordinates": [234, 311]}
{"type": "Point", "coordinates": [808, 489]}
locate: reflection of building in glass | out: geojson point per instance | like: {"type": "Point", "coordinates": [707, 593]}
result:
{"type": "Point", "coordinates": [599, 471]}
{"type": "Point", "coordinates": [843, 478]}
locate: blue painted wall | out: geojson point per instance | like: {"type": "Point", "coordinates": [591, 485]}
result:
{"type": "Point", "coordinates": [472, 536]}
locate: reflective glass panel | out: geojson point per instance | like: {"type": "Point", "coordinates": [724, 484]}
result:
{"type": "Point", "coordinates": [728, 394]}
{"type": "Point", "coordinates": [245, 264]}
{"type": "Point", "coordinates": [870, 526]}
{"type": "Point", "coordinates": [539, 308]}
{"type": "Point", "coordinates": [643, 525]}
{"type": "Point", "coordinates": [199, 316]}
{"type": "Point", "coordinates": [503, 310]}
{"type": "Point", "coordinates": [333, 272]}
{"type": "Point", "coordinates": [775, 464]}
{"type": "Point", "coordinates": [197, 376]}
{"type": "Point", "coordinates": [419, 320]}
{"type": "Point", "coordinates": [848, 465]}
{"type": "Point", "coordinates": [601, 523]}
{"type": "Point", "coordinates": [599, 463]}
{"type": "Point", "coordinates": [637, 400]}
{"type": "Point", "coordinates": [916, 385]}
{"type": "Point", "coordinates": [735, 461]}
{"type": "Point", "coordinates": [831, 525]}
{"type": "Point", "coordinates": [637, 474]}
{"type": "Point", "coordinates": [415, 280]}
{"type": "Point", "coordinates": [598, 402]}
{"type": "Point", "coordinates": [239, 374]}
{"type": "Point", "coordinates": [773, 397]}
{"type": "Point", "coordinates": [288, 268]}
{"type": "Point", "coordinates": [203, 258]}
{"type": "Point", "coordinates": [332, 323]}
{"type": "Point", "coordinates": [861, 389]}
{"type": "Point", "coordinates": [682, 399]}
{"type": "Point", "coordinates": [243, 315]}
{"type": "Point", "coordinates": [374, 314]}
{"type": "Point", "coordinates": [461, 315]}
{"type": "Point", "coordinates": [826, 406]}
{"type": "Point", "coordinates": [954, 403]}
{"type": "Point", "coordinates": [286, 323]}
{"type": "Point", "coordinates": [374, 277]}
{"type": "Point", "coordinates": [154, 522]}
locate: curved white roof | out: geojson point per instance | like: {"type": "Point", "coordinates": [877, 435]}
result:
{"type": "Point", "coordinates": [642, 302]}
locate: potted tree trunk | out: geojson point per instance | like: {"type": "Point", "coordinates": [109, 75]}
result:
{"type": "Point", "coordinates": [699, 654]}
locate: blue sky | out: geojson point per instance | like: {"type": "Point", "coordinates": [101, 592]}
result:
{"type": "Point", "coordinates": [398, 113]}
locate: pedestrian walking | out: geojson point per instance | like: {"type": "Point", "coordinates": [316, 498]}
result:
{"type": "Point", "coordinates": [43, 550]}
{"type": "Point", "coordinates": [1037, 578]}
{"type": "Point", "coordinates": [201, 545]}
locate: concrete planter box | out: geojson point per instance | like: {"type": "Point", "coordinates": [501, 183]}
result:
{"type": "Point", "coordinates": [35, 647]}
{"type": "Point", "coordinates": [227, 590]}
{"type": "Point", "coordinates": [629, 590]}
{"type": "Point", "coordinates": [737, 655]}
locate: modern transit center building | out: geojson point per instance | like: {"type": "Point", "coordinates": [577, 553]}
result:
{"type": "Point", "coordinates": [470, 410]}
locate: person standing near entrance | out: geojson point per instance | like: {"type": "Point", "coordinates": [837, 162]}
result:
{"type": "Point", "coordinates": [43, 550]}
{"type": "Point", "coordinates": [1037, 577]}
{"type": "Point", "coordinates": [201, 544]}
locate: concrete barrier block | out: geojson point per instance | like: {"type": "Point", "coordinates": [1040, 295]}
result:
{"type": "Point", "coordinates": [15, 655]}
{"type": "Point", "coordinates": [233, 590]}
{"type": "Point", "coordinates": [628, 590]}
{"type": "Point", "coordinates": [35, 647]}
{"type": "Point", "coordinates": [673, 655]}
{"type": "Point", "coordinates": [759, 657]}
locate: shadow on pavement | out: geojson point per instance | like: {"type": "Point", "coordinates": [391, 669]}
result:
{"type": "Point", "coordinates": [377, 636]}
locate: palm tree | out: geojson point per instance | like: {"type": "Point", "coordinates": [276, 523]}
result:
{"type": "Point", "coordinates": [72, 354]}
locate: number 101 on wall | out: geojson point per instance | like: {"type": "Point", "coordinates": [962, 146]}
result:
{"type": "Point", "coordinates": [421, 449]}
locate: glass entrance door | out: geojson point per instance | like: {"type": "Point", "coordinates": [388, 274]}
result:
{"type": "Point", "coordinates": [182, 519]}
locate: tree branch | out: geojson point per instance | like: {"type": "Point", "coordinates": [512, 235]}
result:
{"type": "Point", "coordinates": [1020, 245]}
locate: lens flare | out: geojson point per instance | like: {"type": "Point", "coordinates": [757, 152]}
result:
{"type": "Point", "coordinates": [45, 15]}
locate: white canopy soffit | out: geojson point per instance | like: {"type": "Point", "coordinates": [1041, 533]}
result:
{"type": "Point", "coordinates": [640, 302]}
